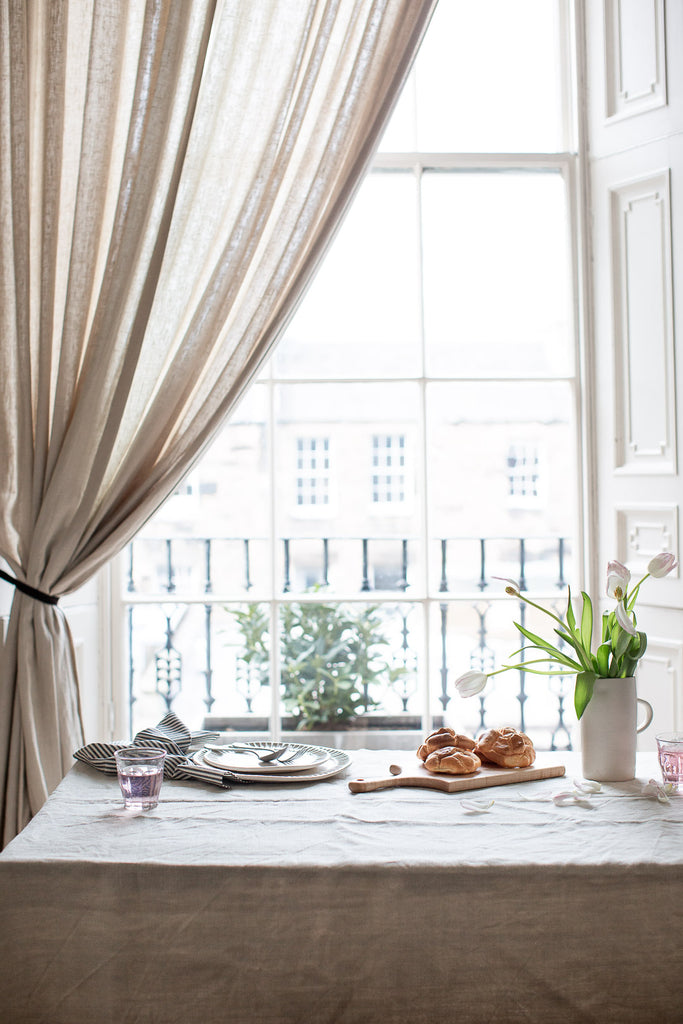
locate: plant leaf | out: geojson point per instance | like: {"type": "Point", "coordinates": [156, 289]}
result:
{"type": "Point", "coordinates": [571, 618]}
{"type": "Point", "coordinates": [543, 645]}
{"type": "Point", "coordinates": [621, 646]}
{"type": "Point", "coordinates": [602, 658]}
{"type": "Point", "coordinates": [583, 691]}
{"type": "Point", "coordinates": [586, 622]}
{"type": "Point", "coordinates": [575, 643]}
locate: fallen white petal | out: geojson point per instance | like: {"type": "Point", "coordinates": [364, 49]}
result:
{"type": "Point", "coordinates": [660, 791]}
{"type": "Point", "coordinates": [571, 796]}
{"type": "Point", "coordinates": [587, 786]}
{"type": "Point", "coordinates": [479, 806]}
{"type": "Point", "coordinates": [567, 796]}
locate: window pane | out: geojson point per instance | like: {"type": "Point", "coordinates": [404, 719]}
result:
{"type": "Point", "coordinates": [487, 79]}
{"type": "Point", "coordinates": [360, 317]}
{"type": "Point", "coordinates": [360, 497]}
{"type": "Point", "coordinates": [471, 430]}
{"type": "Point", "coordinates": [496, 269]}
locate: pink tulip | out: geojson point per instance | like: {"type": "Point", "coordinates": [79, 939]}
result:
{"type": "Point", "coordinates": [618, 579]}
{"type": "Point", "coordinates": [662, 565]}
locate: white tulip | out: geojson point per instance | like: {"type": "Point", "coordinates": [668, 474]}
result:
{"type": "Point", "coordinates": [471, 683]}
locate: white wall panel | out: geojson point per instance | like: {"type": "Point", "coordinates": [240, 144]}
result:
{"type": "Point", "coordinates": [660, 681]}
{"type": "Point", "coordinates": [645, 428]}
{"type": "Point", "coordinates": [643, 531]}
{"type": "Point", "coordinates": [634, 57]}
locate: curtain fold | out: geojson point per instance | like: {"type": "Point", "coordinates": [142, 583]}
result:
{"type": "Point", "coordinates": [170, 175]}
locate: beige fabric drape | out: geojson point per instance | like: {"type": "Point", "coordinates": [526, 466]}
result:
{"type": "Point", "coordinates": [170, 173]}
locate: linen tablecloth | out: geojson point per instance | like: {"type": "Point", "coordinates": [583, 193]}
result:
{"type": "Point", "coordinates": [304, 902]}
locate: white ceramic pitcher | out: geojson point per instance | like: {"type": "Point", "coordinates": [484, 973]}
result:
{"type": "Point", "coordinates": [609, 730]}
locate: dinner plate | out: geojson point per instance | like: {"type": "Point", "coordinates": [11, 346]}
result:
{"type": "Point", "coordinates": [242, 761]}
{"type": "Point", "coordinates": [330, 763]}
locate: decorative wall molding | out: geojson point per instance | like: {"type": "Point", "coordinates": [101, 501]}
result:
{"type": "Point", "coordinates": [660, 680]}
{"type": "Point", "coordinates": [645, 397]}
{"type": "Point", "coordinates": [643, 531]}
{"type": "Point", "coordinates": [635, 57]}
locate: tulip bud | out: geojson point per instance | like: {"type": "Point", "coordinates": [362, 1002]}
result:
{"type": "Point", "coordinates": [471, 683]}
{"type": "Point", "coordinates": [512, 587]}
{"type": "Point", "coordinates": [662, 565]}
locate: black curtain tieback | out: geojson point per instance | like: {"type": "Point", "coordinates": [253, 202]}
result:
{"type": "Point", "coordinates": [26, 588]}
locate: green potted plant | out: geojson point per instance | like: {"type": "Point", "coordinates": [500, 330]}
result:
{"type": "Point", "coordinates": [331, 655]}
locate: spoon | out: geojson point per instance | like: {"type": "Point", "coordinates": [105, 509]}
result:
{"type": "Point", "coordinates": [264, 756]}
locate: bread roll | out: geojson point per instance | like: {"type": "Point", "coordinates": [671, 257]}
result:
{"type": "Point", "coordinates": [444, 738]}
{"type": "Point", "coordinates": [453, 761]}
{"type": "Point", "coordinates": [506, 747]}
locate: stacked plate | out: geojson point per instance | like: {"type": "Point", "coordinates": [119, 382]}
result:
{"type": "Point", "coordinates": [310, 763]}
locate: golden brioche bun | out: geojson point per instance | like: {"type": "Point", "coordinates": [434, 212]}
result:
{"type": "Point", "coordinates": [444, 738]}
{"type": "Point", "coordinates": [506, 747]}
{"type": "Point", "coordinates": [453, 761]}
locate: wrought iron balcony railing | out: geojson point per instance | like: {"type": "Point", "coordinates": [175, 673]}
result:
{"type": "Point", "coordinates": [191, 645]}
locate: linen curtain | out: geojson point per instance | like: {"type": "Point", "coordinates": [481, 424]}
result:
{"type": "Point", "coordinates": [170, 174]}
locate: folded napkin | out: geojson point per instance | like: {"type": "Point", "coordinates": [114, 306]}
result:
{"type": "Point", "coordinates": [170, 735]}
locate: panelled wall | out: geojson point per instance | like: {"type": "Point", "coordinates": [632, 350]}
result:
{"type": "Point", "coordinates": [634, 77]}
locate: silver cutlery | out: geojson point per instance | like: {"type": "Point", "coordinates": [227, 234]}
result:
{"type": "Point", "coordinates": [264, 756]}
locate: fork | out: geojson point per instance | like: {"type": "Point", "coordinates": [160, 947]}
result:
{"type": "Point", "coordinates": [264, 756]}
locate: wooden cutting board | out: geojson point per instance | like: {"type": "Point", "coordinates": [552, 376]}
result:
{"type": "Point", "coordinates": [481, 779]}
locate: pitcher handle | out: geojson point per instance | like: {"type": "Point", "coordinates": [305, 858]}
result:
{"type": "Point", "coordinates": [649, 713]}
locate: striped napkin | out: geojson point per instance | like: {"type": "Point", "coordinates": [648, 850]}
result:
{"type": "Point", "coordinates": [170, 735]}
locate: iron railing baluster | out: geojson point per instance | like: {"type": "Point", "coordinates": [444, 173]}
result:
{"type": "Point", "coordinates": [287, 583]}
{"type": "Point", "coordinates": [403, 582]}
{"type": "Point", "coordinates": [209, 700]}
{"type": "Point", "coordinates": [561, 583]}
{"type": "Point", "coordinates": [444, 698]}
{"type": "Point", "coordinates": [443, 585]}
{"type": "Point", "coordinates": [522, 564]}
{"type": "Point", "coordinates": [522, 694]}
{"type": "Point", "coordinates": [365, 580]}
{"type": "Point", "coordinates": [170, 574]}
{"type": "Point", "coordinates": [247, 577]}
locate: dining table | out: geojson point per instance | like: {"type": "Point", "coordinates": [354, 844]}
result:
{"type": "Point", "coordinates": [296, 899]}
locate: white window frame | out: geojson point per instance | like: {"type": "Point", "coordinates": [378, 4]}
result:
{"type": "Point", "coordinates": [572, 168]}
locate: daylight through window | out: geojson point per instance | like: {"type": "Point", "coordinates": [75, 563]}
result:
{"type": "Point", "coordinates": [413, 436]}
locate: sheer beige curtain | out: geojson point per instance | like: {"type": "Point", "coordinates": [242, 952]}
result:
{"type": "Point", "coordinates": [170, 173]}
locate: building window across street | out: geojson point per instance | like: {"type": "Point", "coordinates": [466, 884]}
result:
{"type": "Point", "coordinates": [388, 469]}
{"type": "Point", "coordinates": [313, 471]}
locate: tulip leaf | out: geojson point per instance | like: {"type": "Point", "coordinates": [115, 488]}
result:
{"type": "Point", "coordinates": [602, 657]}
{"type": "Point", "coordinates": [586, 622]}
{"type": "Point", "coordinates": [575, 642]}
{"type": "Point", "coordinates": [543, 645]}
{"type": "Point", "coordinates": [622, 643]}
{"type": "Point", "coordinates": [571, 618]}
{"type": "Point", "coordinates": [583, 691]}
{"type": "Point", "coordinates": [643, 643]}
